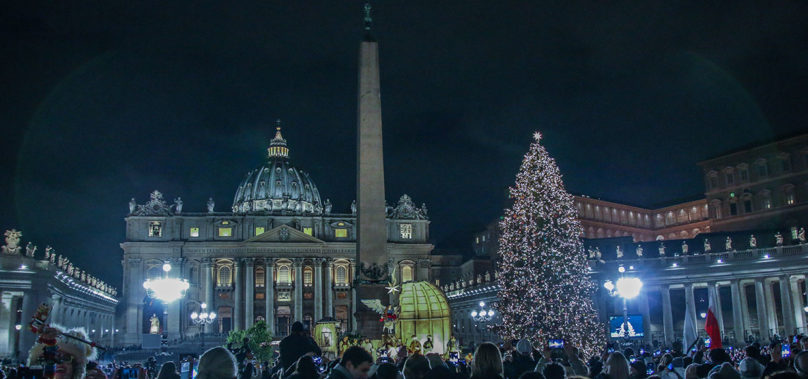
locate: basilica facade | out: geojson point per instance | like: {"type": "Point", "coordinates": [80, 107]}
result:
{"type": "Point", "coordinates": [278, 254]}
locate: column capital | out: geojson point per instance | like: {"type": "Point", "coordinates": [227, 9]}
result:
{"type": "Point", "coordinates": [329, 262]}
{"type": "Point", "coordinates": [297, 262]}
{"type": "Point", "coordinates": [248, 261]}
{"type": "Point", "coordinates": [269, 262]}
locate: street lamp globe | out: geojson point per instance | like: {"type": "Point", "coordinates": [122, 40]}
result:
{"type": "Point", "coordinates": [609, 286]}
{"type": "Point", "coordinates": [194, 315]}
{"type": "Point", "coordinates": [629, 288]}
{"type": "Point", "coordinates": [473, 313]}
{"type": "Point", "coordinates": [482, 304]}
{"type": "Point", "coordinates": [166, 290]}
{"type": "Point", "coordinates": [490, 313]}
{"type": "Point", "coordinates": [166, 267]}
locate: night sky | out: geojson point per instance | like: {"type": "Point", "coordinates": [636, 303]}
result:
{"type": "Point", "coordinates": [106, 100]}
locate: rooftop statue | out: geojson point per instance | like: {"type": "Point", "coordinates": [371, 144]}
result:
{"type": "Point", "coordinates": [12, 242]}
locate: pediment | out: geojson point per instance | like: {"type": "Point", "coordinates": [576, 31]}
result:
{"type": "Point", "coordinates": [284, 233]}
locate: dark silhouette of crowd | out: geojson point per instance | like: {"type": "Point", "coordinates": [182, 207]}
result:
{"type": "Point", "coordinates": [300, 358]}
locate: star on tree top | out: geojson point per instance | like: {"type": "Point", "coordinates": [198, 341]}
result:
{"type": "Point", "coordinates": [537, 135]}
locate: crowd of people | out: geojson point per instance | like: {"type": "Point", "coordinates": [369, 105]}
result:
{"type": "Point", "coordinates": [299, 357]}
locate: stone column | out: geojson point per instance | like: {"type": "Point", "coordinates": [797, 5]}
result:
{"type": "Point", "coordinates": [134, 301]}
{"type": "Point", "coordinates": [318, 290]}
{"type": "Point", "coordinates": [29, 304]}
{"type": "Point", "coordinates": [269, 284]}
{"type": "Point", "coordinates": [760, 304]}
{"type": "Point", "coordinates": [645, 309]}
{"type": "Point", "coordinates": [771, 311]}
{"type": "Point", "coordinates": [329, 289]}
{"type": "Point", "coordinates": [712, 290]}
{"type": "Point", "coordinates": [298, 263]}
{"type": "Point", "coordinates": [250, 297]}
{"type": "Point", "coordinates": [796, 298]}
{"type": "Point", "coordinates": [207, 281]}
{"type": "Point", "coordinates": [787, 304]}
{"type": "Point", "coordinates": [238, 315]}
{"type": "Point", "coordinates": [738, 312]}
{"type": "Point", "coordinates": [55, 312]}
{"type": "Point", "coordinates": [690, 303]}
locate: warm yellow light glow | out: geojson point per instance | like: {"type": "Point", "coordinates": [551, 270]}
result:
{"type": "Point", "coordinates": [194, 232]}
{"type": "Point", "coordinates": [308, 231]}
{"type": "Point", "coordinates": [341, 233]}
{"type": "Point", "coordinates": [225, 232]}
{"type": "Point", "coordinates": [259, 230]}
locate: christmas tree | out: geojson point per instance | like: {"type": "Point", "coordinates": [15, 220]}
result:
{"type": "Point", "coordinates": [545, 289]}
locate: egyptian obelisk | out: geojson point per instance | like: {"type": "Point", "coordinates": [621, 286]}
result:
{"type": "Point", "coordinates": [371, 254]}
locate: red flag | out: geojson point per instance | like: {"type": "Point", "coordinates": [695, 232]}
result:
{"type": "Point", "coordinates": [711, 324]}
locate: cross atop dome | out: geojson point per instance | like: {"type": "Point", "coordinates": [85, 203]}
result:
{"type": "Point", "coordinates": [277, 147]}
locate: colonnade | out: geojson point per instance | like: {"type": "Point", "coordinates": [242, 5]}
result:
{"type": "Point", "coordinates": [781, 317]}
{"type": "Point", "coordinates": [244, 295]}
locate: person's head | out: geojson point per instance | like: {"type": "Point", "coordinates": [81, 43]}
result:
{"type": "Point", "coordinates": [554, 371]}
{"type": "Point", "coordinates": [416, 367]}
{"type": "Point", "coordinates": [71, 354]}
{"type": "Point", "coordinates": [297, 327]}
{"type": "Point", "coordinates": [357, 361]}
{"type": "Point", "coordinates": [306, 367]}
{"type": "Point", "coordinates": [774, 350]}
{"type": "Point", "coordinates": [801, 363]}
{"type": "Point", "coordinates": [435, 360]}
{"type": "Point", "coordinates": [487, 361]}
{"type": "Point", "coordinates": [616, 366]}
{"type": "Point", "coordinates": [692, 371]}
{"type": "Point", "coordinates": [750, 368]}
{"type": "Point", "coordinates": [752, 351]}
{"type": "Point", "coordinates": [386, 371]}
{"type": "Point", "coordinates": [168, 370]}
{"type": "Point", "coordinates": [217, 363]}
{"type": "Point", "coordinates": [524, 347]}
{"type": "Point", "coordinates": [718, 356]}
{"type": "Point", "coordinates": [531, 375]}
{"type": "Point", "coordinates": [638, 369]}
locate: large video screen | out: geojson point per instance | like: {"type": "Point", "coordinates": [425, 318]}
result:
{"type": "Point", "coordinates": [634, 326]}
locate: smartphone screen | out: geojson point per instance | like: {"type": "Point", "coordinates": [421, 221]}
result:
{"type": "Point", "coordinates": [555, 343]}
{"type": "Point", "coordinates": [670, 366]}
{"type": "Point", "coordinates": [706, 342]}
{"type": "Point", "coordinates": [786, 350]}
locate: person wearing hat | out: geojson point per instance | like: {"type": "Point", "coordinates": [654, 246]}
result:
{"type": "Point", "coordinates": [67, 356]}
{"type": "Point", "coordinates": [296, 345]}
{"type": "Point", "coordinates": [750, 368]}
{"type": "Point", "coordinates": [724, 371]}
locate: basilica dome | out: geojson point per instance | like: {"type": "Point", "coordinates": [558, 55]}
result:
{"type": "Point", "coordinates": [277, 186]}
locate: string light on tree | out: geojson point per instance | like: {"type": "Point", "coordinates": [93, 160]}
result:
{"type": "Point", "coordinates": [545, 289]}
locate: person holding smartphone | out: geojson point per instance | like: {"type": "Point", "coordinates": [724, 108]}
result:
{"type": "Point", "coordinates": [776, 361]}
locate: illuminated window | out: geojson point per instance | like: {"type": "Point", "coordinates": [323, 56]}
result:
{"type": "Point", "coordinates": [225, 232]}
{"type": "Point", "coordinates": [406, 274]}
{"type": "Point", "coordinates": [194, 232]}
{"type": "Point", "coordinates": [342, 275]}
{"type": "Point", "coordinates": [790, 198]}
{"type": "Point", "coordinates": [308, 231]}
{"type": "Point", "coordinates": [284, 296]}
{"type": "Point", "coordinates": [259, 277]}
{"type": "Point", "coordinates": [406, 231]}
{"type": "Point", "coordinates": [307, 276]}
{"type": "Point", "coordinates": [283, 275]}
{"type": "Point", "coordinates": [341, 233]}
{"type": "Point", "coordinates": [224, 278]}
{"type": "Point", "coordinates": [155, 229]}
{"type": "Point", "coordinates": [259, 296]}
{"type": "Point", "coordinates": [259, 230]}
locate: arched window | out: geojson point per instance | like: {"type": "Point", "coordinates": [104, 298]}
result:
{"type": "Point", "coordinates": [406, 273]}
{"type": "Point", "coordinates": [307, 276]}
{"type": "Point", "coordinates": [224, 278]}
{"type": "Point", "coordinates": [342, 275]}
{"type": "Point", "coordinates": [283, 274]}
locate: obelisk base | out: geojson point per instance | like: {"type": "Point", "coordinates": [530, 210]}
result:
{"type": "Point", "coordinates": [367, 320]}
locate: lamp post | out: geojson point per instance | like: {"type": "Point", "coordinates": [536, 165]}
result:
{"type": "Point", "coordinates": [482, 315]}
{"type": "Point", "coordinates": [203, 319]}
{"type": "Point", "coordinates": [166, 289]}
{"type": "Point", "coordinates": [627, 288]}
